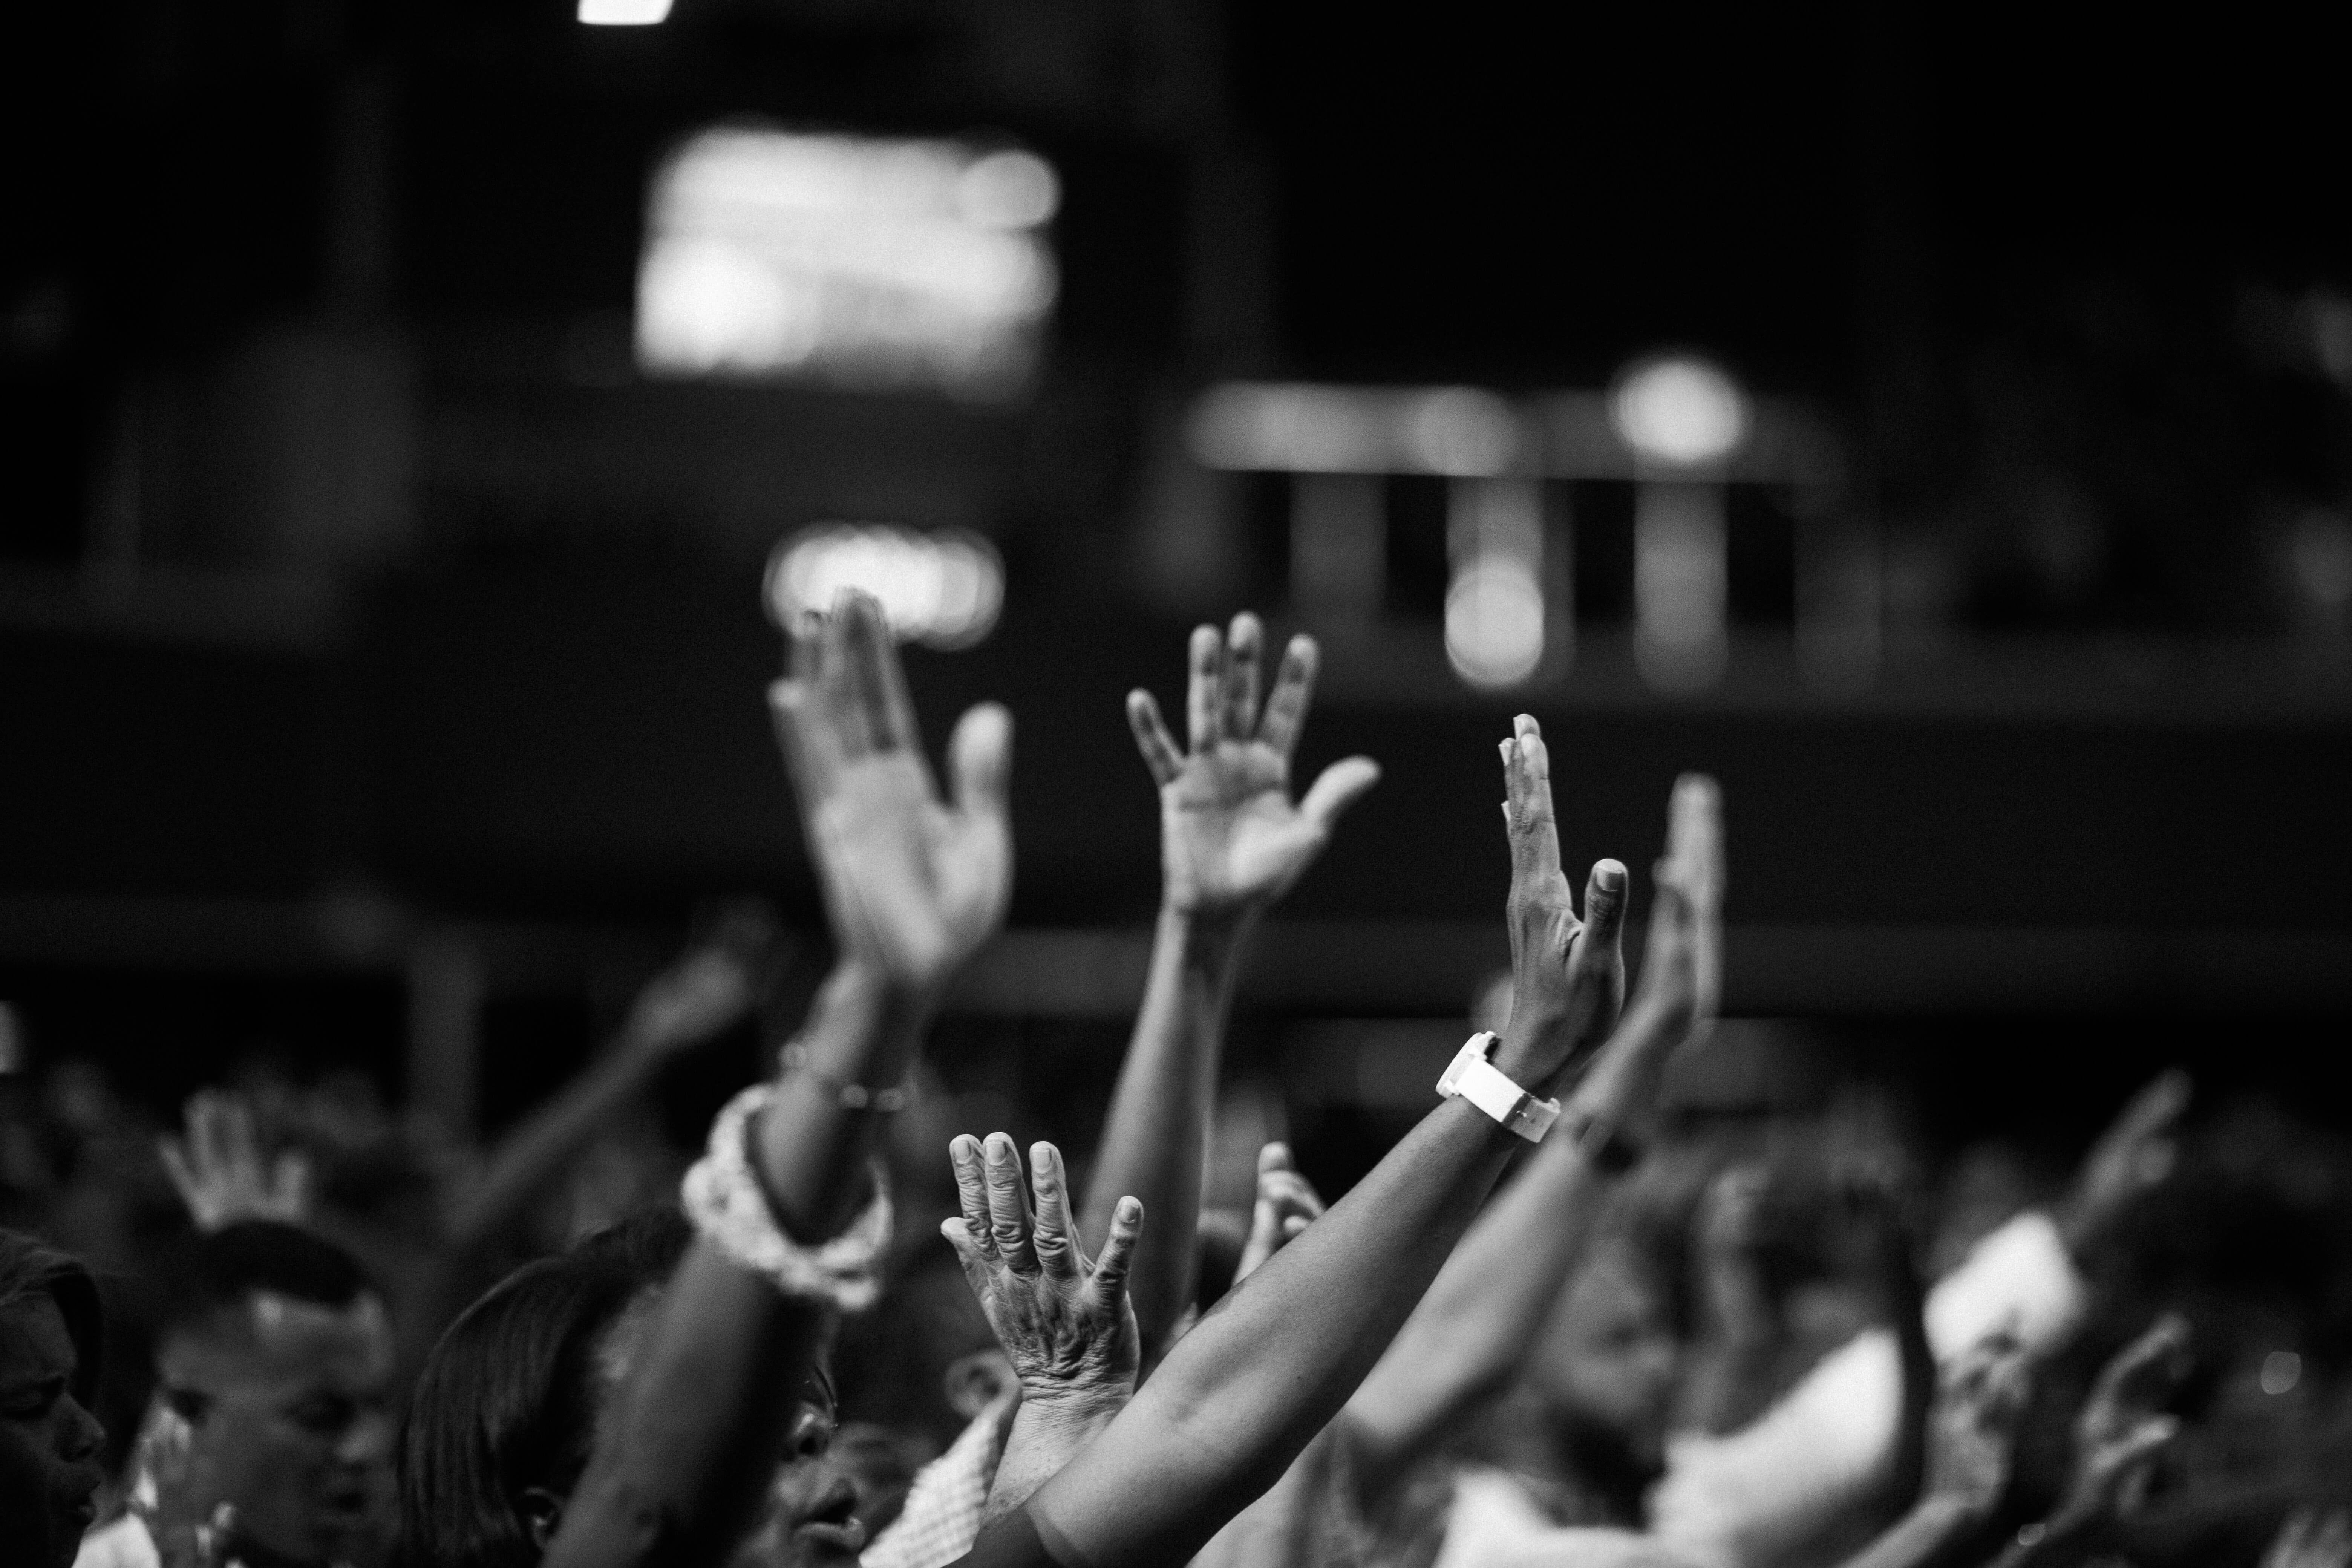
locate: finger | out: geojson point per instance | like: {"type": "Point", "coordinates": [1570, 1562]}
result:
{"type": "Point", "coordinates": [1057, 1228]}
{"type": "Point", "coordinates": [881, 679]}
{"type": "Point", "coordinates": [1605, 915]}
{"type": "Point", "coordinates": [2144, 1371]}
{"type": "Point", "coordinates": [2155, 1107]}
{"type": "Point", "coordinates": [838, 706]}
{"type": "Point", "coordinates": [1294, 690]}
{"type": "Point", "coordinates": [238, 1142]}
{"type": "Point", "coordinates": [1291, 1193]}
{"type": "Point", "coordinates": [290, 1181]}
{"type": "Point", "coordinates": [2143, 1443]}
{"type": "Point", "coordinates": [1109, 1278]}
{"type": "Point", "coordinates": [1008, 1205]}
{"type": "Point", "coordinates": [1237, 711]}
{"type": "Point", "coordinates": [1527, 776]}
{"type": "Point", "coordinates": [1153, 739]}
{"type": "Point", "coordinates": [175, 1155]}
{"type": "Point", "coordinates": [1272, 1157]}
{"type": "Point", "coordinates": [972, 1190]}
{"type": "Point", "coordinates": [1337, 788]}
{"type": "Point", "coordinates": [810, 750]}
{"type": "Point", "coordinates": [1205, 670]}
{"type": "Point", "coordinates": [973, 1252]}
{"type": "Point", "coordinates": [1295, 1227]}
{"type": "Point", "coordinates": [1694, 839]}
{"type": "Point", "coordinates": [979, 761]}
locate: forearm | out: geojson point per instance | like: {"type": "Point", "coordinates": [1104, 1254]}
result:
{"type": "Point", "coordinates": [526, 1160]}
{"type": "Point", "coordinates": [1491, 1297]}
{"type": "Point", "coordinates": [811, 1150]}
{"type": "Point", "coordinates": [1932, 1529]}
{"type": "Point", "coordinates": [707, 1408]}
{"type": "Point", "coordinates": [681, 1474]}
{"type": "Point", "coordinates": [1243, 1393]}
{"type": "Point", "coordinates": [1047, 1434]}
{"type": "Point", "coordinates": [1155, 1136]}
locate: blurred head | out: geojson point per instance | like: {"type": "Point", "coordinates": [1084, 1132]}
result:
{"type": "Point", "coordinates": [274, 1372]}
{"type": "Point", "coordinates": [507, 1410]}
{"type": "Point", "coordinates": [1605, 1361]}
{"type": "Point", "coordinates": [50, 1329]}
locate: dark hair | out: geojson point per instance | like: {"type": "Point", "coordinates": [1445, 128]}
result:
{"type": "Point", "coordinates": [30, 1267]}
{"type": "Point", "coordinates": [222, 1270]}
{"type": "Point", "coordinates": [508, 1399]}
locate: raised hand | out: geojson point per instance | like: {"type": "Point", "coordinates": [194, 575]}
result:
{"type": "Point", "coordinates": [1231, 841]}
{"type": "Point", "coordinates": [2310, 1539]}
{"type": "Point", "coordinates": [2134, 1154]}
{"type": "Point", "coordinates": [1286, 1205]}
{"type": "Point", "coordinates": [1568, 975]}
{"type": "Point", "coordinates": [2121, 1426]}
{"type": "Point", "coordinates": [913, 884]}
{"type": "Point", "coordinates": [220, 1174]}
{"type": "Point", "coordinates": [1972, 1430]}
{"type": "Point", "coordinates": [1065, 1321]}
{"type": "Point", "coordinates": [706, 991]}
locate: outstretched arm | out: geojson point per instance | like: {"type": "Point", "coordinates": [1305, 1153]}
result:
{"type": "Point", "coordinates": [1474, 1326]}
{"type": "Point", "coordinates": [703, 993]}
{"type": "Point", "coordinates": [1241, 1395]}
{"type": "Point", "coordinates": [1231, 843]}
{"type": "Point", "coordinates": [1971, 1435]}
{"type": "Point", "coordinates": [912, 887]}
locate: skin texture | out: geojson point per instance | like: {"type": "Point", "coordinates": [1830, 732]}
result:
{"type": "Point", "coordinates": [50, 1471]}
{"type": "Point", "coordinates": [1064, 1320]}
{"type": "Point", "coordinates": [283, 1412]}
{"type": "Point", "coordinates": [1241, 1395]}
{"type": "Point", "coordinates": [687, 1465]}
{"type": "Point", "coordinates": [1232, 842]}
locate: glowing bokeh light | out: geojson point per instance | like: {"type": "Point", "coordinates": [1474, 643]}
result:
{"type": "Point", "coordinates": [943, 588]}
{"type": "Point", "coordinates": [1679, 411]}
{"type": "Point", "coordinates": [1494, 621]}
{"type": "Point", "coordinates": [623, 12]}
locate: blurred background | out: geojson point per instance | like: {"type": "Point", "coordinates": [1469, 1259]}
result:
{"type": "Point", "coordinates": [1939, 427]}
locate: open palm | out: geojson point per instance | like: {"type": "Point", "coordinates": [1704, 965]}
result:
{"type": "Point", "coordinates": [1231, 839]}
{"type": "Point", "coordinates": [913, 883]}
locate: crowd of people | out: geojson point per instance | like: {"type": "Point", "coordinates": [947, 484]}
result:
{"type": "Point", "coordinates": [1554, 1326]}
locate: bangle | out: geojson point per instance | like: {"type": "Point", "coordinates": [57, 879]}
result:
{"type": "Point", "coordinates": [1472, 1077]}
{"type": "Point", "coordinates": [795, 1058]}
{"type": "Point", "coordinates": [723, 1197]}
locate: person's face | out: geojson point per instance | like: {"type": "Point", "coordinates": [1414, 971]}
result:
{"type": "Point", "coordinates": [49, 1470]}
{"type": "Point", "coordinates": [283, 1411]}
{"type": "Point", "coordinates": [1607, 1357]}
{"type": "Point", "coordinates": [813, 1520]}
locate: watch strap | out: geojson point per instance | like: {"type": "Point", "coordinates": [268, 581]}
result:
{"type": "Point", "coordinates": [1471, 1077]}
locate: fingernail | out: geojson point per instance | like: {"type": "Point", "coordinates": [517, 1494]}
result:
{"type": "Point", "coordinates": [1130, 1210]}
{"type": "Point", "coordinates": [1609, 877]}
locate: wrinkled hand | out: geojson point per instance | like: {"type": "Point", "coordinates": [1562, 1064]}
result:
{"type": "Point", "coordinates": [1286, 1205]}
{"type": "Point", "coordinates": [2121, 1427]}
{"type": "Point", "coordinates": [219, 1171]}
{"type": "Point", "coordinates": [1231, 841]}
{"type": "Point", "coordinates": [2310, 1539]}
{"type": "Point", "coordinates": [1067, 1322]}
{"type": "Point", "coordinates": [2134, 1154]}
{"type": "Point", "coordinates": [1568, 975]}
{"type": "Point", "coordinates": [913, 886]}
{"type": "Point", "coordinates": [1972, 1430]}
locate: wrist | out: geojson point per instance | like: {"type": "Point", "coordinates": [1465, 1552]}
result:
{"type": "Point", "coordinates": [864, 1024]}
{"type": "Point", "coordinates": [1528, 1049]}
{"type": "Point", "coordinates": [1220, 922]}
{"type": "Point", "coordinates": [1074, 1406]}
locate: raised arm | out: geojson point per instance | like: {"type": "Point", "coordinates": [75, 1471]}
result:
{"type": "Point", "coordinates": [912, 886]}
{"type": "Point", "coordinates": [1241, 1395]}
{"type": "Point", "coordinates": [705, 992]}
{"type": "Point", "coordinates": [1971, 1436]}
{"type": "Point", "coordinates": [1231, 843]}
{"type": "Point", "coordinates": [1473, 1328]}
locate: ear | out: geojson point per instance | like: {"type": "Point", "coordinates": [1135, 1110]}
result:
{"type": "Point", "coordinates": [542, 1515]}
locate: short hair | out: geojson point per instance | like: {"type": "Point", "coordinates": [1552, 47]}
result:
{"type": "Point", "coordinates": [223, 1268]}
{"type": "Point", "coordinates": [509, 1398]}
{"type": "Point", "coordinates": [29, 1270]}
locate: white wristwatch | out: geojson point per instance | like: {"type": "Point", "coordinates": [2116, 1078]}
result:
{"type": "Point", "coordinates": [1472, 1077]}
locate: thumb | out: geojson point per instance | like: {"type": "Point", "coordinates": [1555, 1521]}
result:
{"type": "Point", "coordinates": [1337, 788]}
{"type": "Point", "coordinates": [980, 759]}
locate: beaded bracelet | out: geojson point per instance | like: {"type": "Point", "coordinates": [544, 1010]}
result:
{"type": "Point", "coordinates": [853, 1096]}
{"type": "Point", "coordinates": [723, 1197]}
